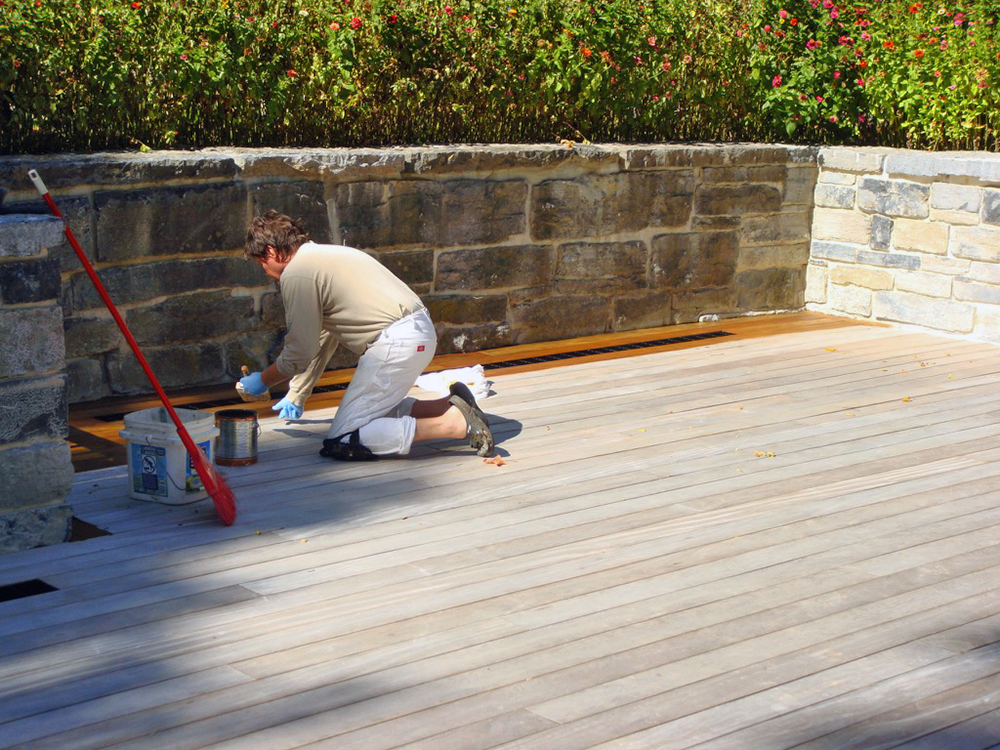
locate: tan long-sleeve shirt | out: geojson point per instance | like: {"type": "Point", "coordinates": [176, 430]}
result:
{"type": "Point", "coordinates": [334, 295]}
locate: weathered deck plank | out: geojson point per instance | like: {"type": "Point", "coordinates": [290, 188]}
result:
{"type": "Point", "coordinates": [757, 544]}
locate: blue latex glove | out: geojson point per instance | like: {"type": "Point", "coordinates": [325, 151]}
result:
{"type": "Point", "coordinates": [287, 409]}
{"type": "Point", "coordinates": [253, 384]}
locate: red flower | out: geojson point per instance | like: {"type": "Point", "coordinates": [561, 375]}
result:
{"type": "Point", "coordinates": [918, 53]}
{"type": "Point", "coordinates": [776, 81]}
{"type": "Point", "coordinates": [448, 10]}
{"type": "Point", "coordinates": [888, 44]}
{"type": "Point", "coordinates": [586, 51]}
{"type": "Point", "coordinates": [793, 21]}
{"type": "Point", "coordinates": [291, 73]}
{"type": "Point", "coordinates": [136, 6]}
{"type": "Point", "coordinates": [355, 23]}
{"type": "Point", "coordinates": [393, 18]}
{"type": "Point", "coordinates": [916, 7]}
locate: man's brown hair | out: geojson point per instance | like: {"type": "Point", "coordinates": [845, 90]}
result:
{"type": "Point", "coordinates": [279, 231]}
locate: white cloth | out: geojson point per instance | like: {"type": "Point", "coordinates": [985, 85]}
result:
{"type": "Point", "coordinates": [375, 401]}
{"type": "Point", "coordinates": [474, 377]}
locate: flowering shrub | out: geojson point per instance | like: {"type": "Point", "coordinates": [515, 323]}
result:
{"type": "Point", "coordinates": [91, 74]}
{"type": "Point", "coordinates": [888, 72]}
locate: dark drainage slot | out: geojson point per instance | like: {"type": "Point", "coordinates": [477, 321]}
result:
{"type": "Point", "coordinates": [81, 531]}
{"type": "Point", "coordinates": [490, 366]}
{"type": "Point", "coordinates": [24, 589]}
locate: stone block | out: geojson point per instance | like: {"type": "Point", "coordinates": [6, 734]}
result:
{"type": "Point", "coordinates": [955, 218]}
{"type": "Point", "coordinates": [915, 309]}
{"type": "Point", "coordinates": [737, 200]}
{"type": "Point", "coordinates": [255, 349]}
{"type": "Point", "coordinates": [692, 306]}
{"type": "Point", "coordinates": [88, 336]}
{"type": "Point", "coordinates": [976, 243]}
{"type": "Point", "coordinates": [838, 225]}
{"type": "Point", "coordinates": [800, 185]}
{"type": "Point", "coordinates": [889, 260]}
{"type": "Point", "coordinates": [412, 266]}
{"type": "Point", "coordinates": [788, 226]}
{"type": "Point", "coordinates": [694, 260]}
{"type": "Point", "coordinates": [853, 300]}
{"type": "Point", "coordinates": [33, 408]}
{"type": "Point", "coordinates": [817, 279]}
{"type": "Point", "coordinates": [25, 236]}
{"type": "Point", "coordinates": [304, 201]}
{"type": "Point", "coordinates": [847, 159]}
{"type": "Point", "coordinates": [991, 206]}
{"type": "Point", "coordinates": [869, 278]}
{"type": "Point", "coordinates": [85, 380]}
{"type": "Point", "coordinates": [556, 318]}
{"type": "Point", "coordinates": [79, 216]}
{"type": "Point", "coordinates": [894, 197]}
{"type": "Point", "coordinates": [881, 233]}
{"type": "Point", "coordinates": [741, 175]}
{"type": "Point", "coordinates": [987, 324]}
{"type": "Point", "coordinates": [835, 196]}
{"type": "Point", "coordinates": [70, 171]}
{"type": "Point", "coordinates": [344, 164]}
{"type": "Point", "coordinates": [494, 268]}
{"type": "Point", "coordinates": [466, 309]}
{"type": "Point", "coordinates": [981, 166]}
{"type": "Point", "coordinates": [191, 318]}
{"type": "Point", "coordinates": [770, 289]}
{"type": "Point", "coordinates": [956, 197]}
{"type": "Point", "coordinates": [776, 256]}
{"type": "Point", "coordinates": [836, 251]}
{"type": "Point", "coordinates": [140, 282]}
{"type": "Point", "coordinates": [424, 212]}
{"type": "Point", "coordinates": [35, 527]}
{"type": "Point", "coordinates": [928, 284]}
{"type": "Point", "coordinates": [33, 341]}
{"type": "Point", "coordinates": [471, 338]}
{"type": "Point", "coordinates": [177, 366]}
{"type": "Point", "coordinates": [975, 291]}
{"type": "Point", "coordinates": [987, 273]}
{"type": "Point", "coordinates": [938, 264]}
{"type": "Point", "coordinates": [642, 310]}
{"type": "Point", "coordinates": [25, 281]}
{"type": "Point", "coordinates": [496, 157]}
{"type": "Point", "coordinates": [170, 221]}
{"type": "Point", "coordinates": [605, 267]}
{"type": "Point", "coordinates": [601, 205]}
{"type": "Point", "coordinates": [719, 223]}
{"type": "Point", "coordinates": [920, 236]}
{"type": "Point", "coordinates": [34, 475]}
{"type": "Point", "coordinates": [829, 177]}
{"type": "Point", "coordinates": [272, 310]}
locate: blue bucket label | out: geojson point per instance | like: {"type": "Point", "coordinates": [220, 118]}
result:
{"type": "Point", "coordinates": [192, 481]}
{"type": "Point", "coordinates": [149, 470]}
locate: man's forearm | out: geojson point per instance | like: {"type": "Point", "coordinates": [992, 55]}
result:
{"type": "Point", "coordinates": [272, 375]}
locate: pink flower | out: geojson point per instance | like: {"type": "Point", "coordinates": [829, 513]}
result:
{"type": "Point", "coordinates": [836, 75]}
{"type": "Point", "coordinates": [834, 14]}
{"type": "Point", "coordinates": [833, 118]}
{"type": "Point", "coordinates": [767, 27]}
{"type": "Point", "coordinates": [184, 57]}
{"type": "Point", "coordinates": [776, 81]}
{"type": "Point", "coordinates": [819, 98]}
{"type": "Point", "coordinates": [958, 19]}
{"type": "Point", "coordinates": [355, 23]}
{"type": "Point", "coordinates": [782, 13]}
{"type": "Point", "coordinates": [937, 73]}
{"type": "Point", "coordinates": [827, 4]}
{"type": "Point", "coordinates": [448, 10]}
{"type": "Point", "coordinates": [812, 44]}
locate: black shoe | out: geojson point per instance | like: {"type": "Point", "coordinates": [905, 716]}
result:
{"type": "Point", "coordinates": [352, 450]}
{"type": "Point", "coordinates": [479, 434]}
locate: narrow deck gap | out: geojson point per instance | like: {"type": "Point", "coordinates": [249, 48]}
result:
{"type": "Point", "coordinates": [24, 589]}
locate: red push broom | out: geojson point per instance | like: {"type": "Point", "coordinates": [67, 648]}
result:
{"type": "Point", "coordinates": [218, 490]}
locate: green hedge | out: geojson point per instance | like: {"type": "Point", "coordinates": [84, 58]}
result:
{"type": "Point", "coordinates": [98, 74]}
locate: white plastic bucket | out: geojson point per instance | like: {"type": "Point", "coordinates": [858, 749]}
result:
{"type": "Point", "coordinates": [159, 468]}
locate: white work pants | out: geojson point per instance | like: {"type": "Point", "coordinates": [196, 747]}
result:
{"type": "Point", "coordinates": [375, 401]}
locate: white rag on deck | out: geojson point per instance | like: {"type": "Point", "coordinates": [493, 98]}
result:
{"type": "Point", "coordinates": [439, 382]}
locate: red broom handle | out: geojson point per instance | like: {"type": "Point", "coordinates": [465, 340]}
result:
{"type": "Point", "coordinates": [189, 443]}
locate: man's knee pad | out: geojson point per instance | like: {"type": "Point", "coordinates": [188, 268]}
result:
{"type": "Point", "coordinates": [352, 450]}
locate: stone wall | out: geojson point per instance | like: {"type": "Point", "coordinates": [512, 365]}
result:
{"type": "Point", "coordinates": [908, 237]}
{"type": "Point", "coordinates": [34, 456]}
{"type": "Point", "coordinates": [506, 245]}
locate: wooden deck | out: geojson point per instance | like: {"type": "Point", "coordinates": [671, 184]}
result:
{"type": "Point", "coordinates": [761, 542]}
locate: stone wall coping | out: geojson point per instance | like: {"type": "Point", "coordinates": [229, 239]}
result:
{"type": "Point", "coordinates": [23, 236]}
{"type": "Point", "coordinates": [977, 165]}
{"type": "Point", "coordinates": [67, 172]}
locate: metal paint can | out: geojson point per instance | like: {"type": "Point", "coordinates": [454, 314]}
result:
{"type": "Point", "coordinates": [236, 444]}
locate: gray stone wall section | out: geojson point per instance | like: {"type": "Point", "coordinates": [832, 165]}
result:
{"type": "Point", "coordinates": [34, 456]}
{"type": "Point", "coordinates": [932, 255]}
